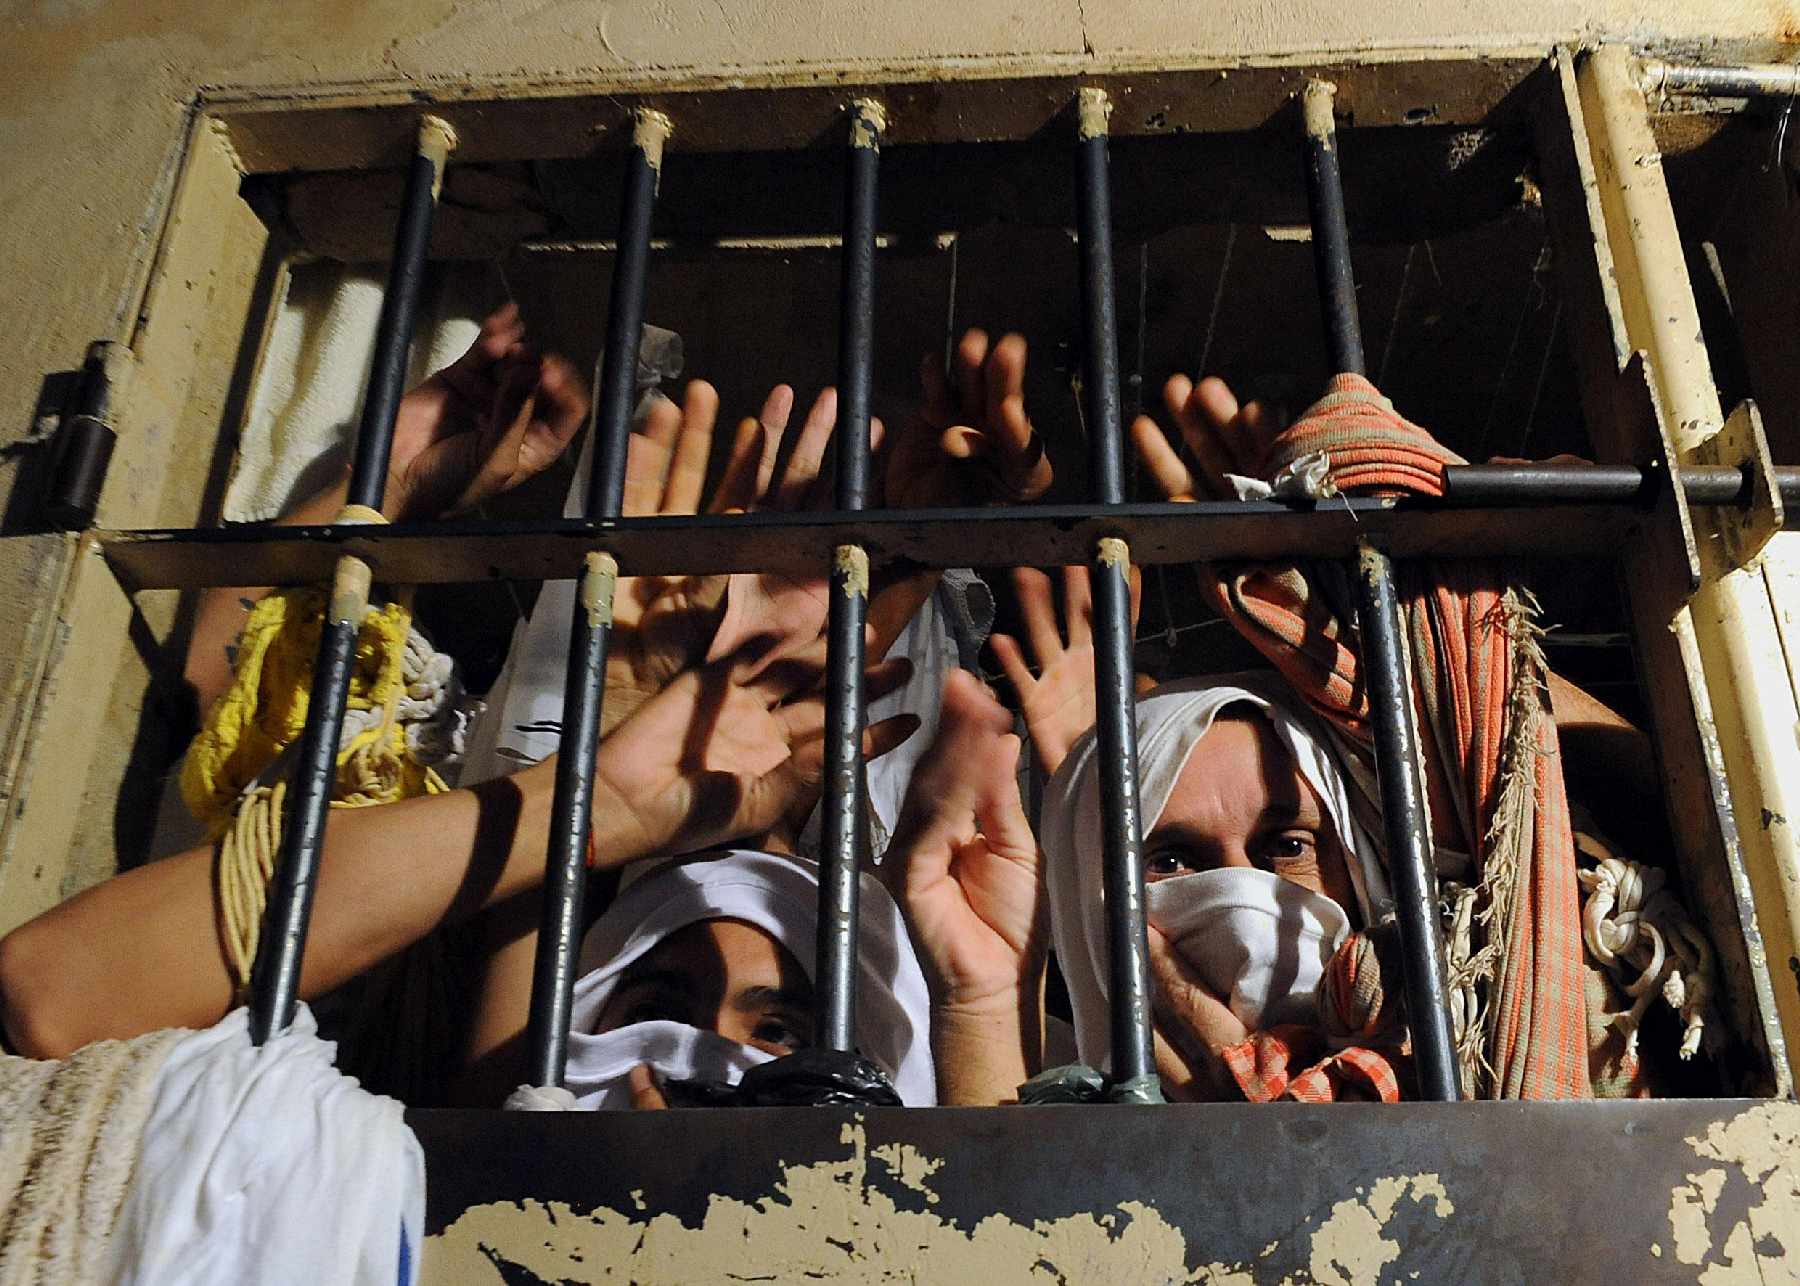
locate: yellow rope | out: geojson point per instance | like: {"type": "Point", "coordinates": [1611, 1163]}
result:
{"type": "Point", "coordinates": [264, 712]}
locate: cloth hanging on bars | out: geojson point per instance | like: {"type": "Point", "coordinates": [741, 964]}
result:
{"type": "Point", "coordinates": [1489, 741]}
{"type": "Point", "coordinates": [268, 1165]}
{"type": "Point", "coordinates": [779, 895]}
{"type": "Point", "coordinates": [70, 1130]}
{"type": "Point", "coordinates": [1170, 721]}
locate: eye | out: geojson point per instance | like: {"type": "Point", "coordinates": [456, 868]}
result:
{"type": "Point", "coordinates": [1161, 864]}
{"type": "Point", "coordinates": [781, 1031]}
{"type": "Point", "coordinates": [1290, 848]}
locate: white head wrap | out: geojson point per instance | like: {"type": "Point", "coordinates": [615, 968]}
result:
{"type": "Point", "coordinates": [779, 895]}
{"type": "Point", "coordinates": [1171, 720]}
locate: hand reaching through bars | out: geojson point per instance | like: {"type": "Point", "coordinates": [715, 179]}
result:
{"type": "Point", "coordinates": [1057, 701]}
{"type": "Point", "coordinates": [1220, 435]}
{"type": "Point", "coordinates": [724, 751]}
{"type": "Point", "coordinates": [970, 442]}
{"type": "Point", "coordinates": [664, 625]}
{"type": "Point", "coordinates": [964, 866]}
{"type": "Point", "coordinates": [498, 415]}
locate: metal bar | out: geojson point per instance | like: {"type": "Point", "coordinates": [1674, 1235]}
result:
{"type": "Point", "coordinates": [1754, 80]}
{"type": "Point", "coordinates": [842, 820]}
{"type": "Point", "coordinates": [571, 818]}
{"type": "Point", "coordinates": [1384, 657]}
{"type": "Point", "coordinates": [1331, 230]}
{"type": "Point", "coordinates": [275, 979]}
{"type": "Point", "coordinates": [798, 544]}
{"type": "Point", "coordinates": [1403, 811]}
{"type": "Point", "coordinates": [1133, 1068]}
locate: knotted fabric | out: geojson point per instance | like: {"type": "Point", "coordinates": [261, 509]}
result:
{"type": "Point", "coordinates": [1488, 738]}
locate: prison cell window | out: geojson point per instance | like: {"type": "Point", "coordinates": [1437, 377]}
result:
{"type": "Point", "coordinates": [1484, 509]}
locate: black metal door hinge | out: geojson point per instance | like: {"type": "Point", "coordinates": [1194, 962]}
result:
{"type": "Point", "coordinates": [83, 446]}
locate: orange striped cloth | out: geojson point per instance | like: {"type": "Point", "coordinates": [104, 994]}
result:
{"type": "Point", "coordinates": [1489, 739]}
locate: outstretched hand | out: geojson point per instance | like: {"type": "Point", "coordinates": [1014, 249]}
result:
{"type": "Point", "coordinates": [1058, 701]}
{"type": "Point", "coordinates": [970, 442]}
{"type": "Point", "coordinates": [1221, 437]}
{"type": "Point", "coordinates": [964, 862]}
{"type": "Point", "coordinates": [725, 751]}
{"type": "Point", "coordinates": [498, 415]}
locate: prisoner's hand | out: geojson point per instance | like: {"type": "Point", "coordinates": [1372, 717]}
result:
{"type": "Point", "coordinates": [1191, 1027]}
{"type": "Point", "coordinates": [970, 442]}
{"type": "Point", "coordinates": [1057, 701]}
{"type": "Point", "coordinates": [723, 752]}
{"type": "Point", "coordinates": [498, 415]}
{"type": "Point", "coordinates": [964, 862]}
{"type": "Point", "coordinates": [1221, 437]}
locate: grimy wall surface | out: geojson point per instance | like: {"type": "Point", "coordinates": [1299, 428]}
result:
{"type": "Point", "coordinates": [93, 115]}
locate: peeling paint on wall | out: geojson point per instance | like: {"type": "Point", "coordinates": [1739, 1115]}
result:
{"type": "Point", "coordinates": [1759, 1175]}
{"type": "Point", "coordinates": [846, 1221]}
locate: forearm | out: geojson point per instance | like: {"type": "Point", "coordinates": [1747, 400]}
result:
{"type": "Point", "coordinates": [142, 951]}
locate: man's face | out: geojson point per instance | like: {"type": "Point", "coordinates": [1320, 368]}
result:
{"type": "Point", "coordinates": [722, 976]}
{"type": "Point", "coordinates": [1242, 801]}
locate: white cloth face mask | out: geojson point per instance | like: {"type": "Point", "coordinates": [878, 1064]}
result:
{"type": "Point", "coordinates": [600, 1065]}
{"type": "Point", "coordinates": [1258, 941]}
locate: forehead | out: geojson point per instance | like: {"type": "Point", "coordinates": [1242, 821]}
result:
{"type": "Point", "coordinates": [725, 948]}
{"type": "Point", "coordinates": [1237, 772]}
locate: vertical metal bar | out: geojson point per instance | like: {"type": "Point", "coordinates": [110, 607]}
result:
{"type": "Point", "coordinates": [1133, 1062]}
{"type": "Point", "coordinates": [1402, 779]}
{"type": "Point", "coordinates": [275, 981]}
{"type": "Point", "coordinates": [1384, 658]}
{"type": "Point", "coordinates": [835, 982]}
{"type": "Point", "coordinates": [571, 819]}
{"type": "Point", "coordinates": [1330, 229]}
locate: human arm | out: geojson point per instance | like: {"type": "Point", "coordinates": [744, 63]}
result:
{"type": "Point", "coordinates": [715, 756]}
{"type": "Point", "coordinates": [965, 868]}
{"type": "Point", "coordinates": [493, 418]}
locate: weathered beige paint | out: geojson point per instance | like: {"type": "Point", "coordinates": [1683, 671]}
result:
{"type": "Point", "coordinates": [827, 1222]}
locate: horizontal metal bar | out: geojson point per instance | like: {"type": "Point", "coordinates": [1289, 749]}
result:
{"type": "Point", "coordinates": [1755, 80]}
{"type": "Point", "coordinates": [1555, 484]}
{"type": "Point", "coordinates": [1042, 535]}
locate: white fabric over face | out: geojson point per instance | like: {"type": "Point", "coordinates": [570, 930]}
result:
{"type": "Point", "coordinates": [1171, 720]}
{"type": "Point", "coordinates": [1257, 940]}
{"type": "Point", "coordinates": [269, 1165]}
{"type": "Point", "coordinates": [779, 895]}
{"type": "Point", "coordinates": [523, 719]}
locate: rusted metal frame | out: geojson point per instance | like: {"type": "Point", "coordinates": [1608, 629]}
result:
{"type": "Point", "coordinates": [557, 960]}
{"type": "Point", "coordinates": [842, 829]}
{"type": "Point", "coordinates": [1260, 1195]}
{"type": "Point", "coordinates": [1661, 569]}
{"type": "Point", "coordinates": [1754, 706]}
{"type": "Point", "coordinates": [275, 978]}
{"type": "Point", "coordinates": [1399, 766]}
{"type": "Point", "coordinates": [1132, 1066]}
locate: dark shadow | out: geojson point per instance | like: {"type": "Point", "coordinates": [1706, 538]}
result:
{"type": "Point", "coordinates": [30, 457]}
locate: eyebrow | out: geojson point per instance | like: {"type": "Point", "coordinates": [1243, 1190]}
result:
{"type": "Point", "coordinates": [765, 997]}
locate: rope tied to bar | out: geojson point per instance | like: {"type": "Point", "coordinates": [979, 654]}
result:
{"type": "Point", "coordinates": [1634, 925]}
{"type": "Point", "coordinates": [1488, 739]}
{"type": "Point", "coordinates": [404, 715]}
